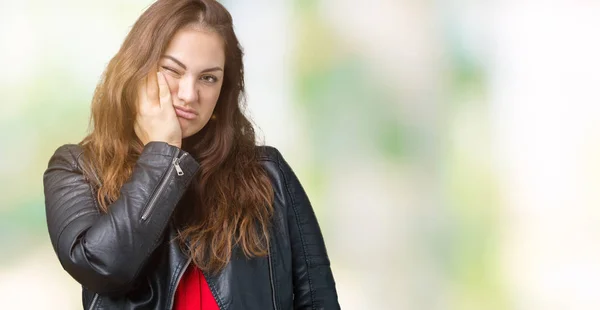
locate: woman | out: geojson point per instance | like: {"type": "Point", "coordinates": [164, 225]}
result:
{"type": "Point", "coordinates": [168, 203]}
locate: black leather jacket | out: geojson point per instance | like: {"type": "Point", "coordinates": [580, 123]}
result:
{"type": "Point", "coordinates": [126, 259]}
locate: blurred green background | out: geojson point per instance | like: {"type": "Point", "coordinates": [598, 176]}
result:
{"type": "Point", "coordinates": [450, 148]}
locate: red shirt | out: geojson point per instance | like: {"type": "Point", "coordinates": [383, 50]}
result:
{"type": "Point", "coordinates": [193, 292]}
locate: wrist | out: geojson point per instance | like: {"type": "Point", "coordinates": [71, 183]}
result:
{"type": "Point", "coordinates": [176, 143]}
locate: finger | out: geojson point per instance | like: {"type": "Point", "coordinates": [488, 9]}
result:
{"type": "Point", "coordinates": [164, 92]}
{"type": "Point", "coordinates": [152, 88]}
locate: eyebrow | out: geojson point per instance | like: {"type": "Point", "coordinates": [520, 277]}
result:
{"type": "Point", "coordinates": [185, 68]}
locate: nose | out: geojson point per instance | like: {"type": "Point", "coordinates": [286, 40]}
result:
{"type": "Point", "coordinates": [188, 91]}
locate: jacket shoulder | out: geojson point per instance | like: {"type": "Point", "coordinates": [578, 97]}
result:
{"type": "Point", "coordinates": [277, 167]}
{"type": "Point", "coordinates": [68, 156]}
{"type": "Point", "coordinates": [67, 152]}
{"type": "Point", "coordinates": [267, 153]}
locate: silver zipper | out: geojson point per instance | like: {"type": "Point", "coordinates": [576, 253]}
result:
{"type": "Point", "coordinates": [94, 300]}
{"type": "Point", "coordinates": [271, 278]}
{"type": "Point", "coordinates": [175, 166]}
{"type": "Point", "coordinates": [176, 162]}
{"type": "Point", "coordinates": [177, 282]}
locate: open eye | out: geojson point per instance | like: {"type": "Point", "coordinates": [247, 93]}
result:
{"type": "Point", "coordinates": [210, 78]}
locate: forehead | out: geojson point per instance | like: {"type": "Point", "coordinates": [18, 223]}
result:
{"type": "Point", "coordinates": [197, 49]}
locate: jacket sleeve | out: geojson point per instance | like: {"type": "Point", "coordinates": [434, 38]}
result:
{"type": "Point", "coordinates": [314, 286]}
{"type": "Point", "coordinates": [105, 252]}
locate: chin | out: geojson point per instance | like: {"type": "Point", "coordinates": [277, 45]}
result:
{"type": "Point", "coordinates": [191, 127]}
{"type": "Point", "coordinates": [188, 132]}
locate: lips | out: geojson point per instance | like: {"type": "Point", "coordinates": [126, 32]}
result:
{"type": "Point", "coordinates": [186, 113]}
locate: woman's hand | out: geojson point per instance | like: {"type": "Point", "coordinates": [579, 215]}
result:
{"type": "Point", "coordinates": [156, 119]}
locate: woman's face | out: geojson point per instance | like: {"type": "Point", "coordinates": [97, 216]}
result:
{"type": "Point", "coordinates": [193, 65]}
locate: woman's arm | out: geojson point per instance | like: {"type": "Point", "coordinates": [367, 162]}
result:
{"type": "Point", "coordinates": [105, 252]}
{"type": "Point", "coordinates": [314, 286]}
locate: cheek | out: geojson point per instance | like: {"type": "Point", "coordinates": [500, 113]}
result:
{"type": "Point", "coordinates": [173, 84]}
{"type": "Point", "coordinates": [209, 97]}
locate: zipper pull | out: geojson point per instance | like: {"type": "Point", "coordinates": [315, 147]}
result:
{"type": "Point", "coordinates": [177, 167]}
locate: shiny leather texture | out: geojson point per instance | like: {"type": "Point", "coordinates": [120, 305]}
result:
{"type": "Point", "coordinates": [128, 259]}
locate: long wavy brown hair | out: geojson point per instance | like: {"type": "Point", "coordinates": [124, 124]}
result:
{"type": "Point", "coordinates": [230, 202]}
